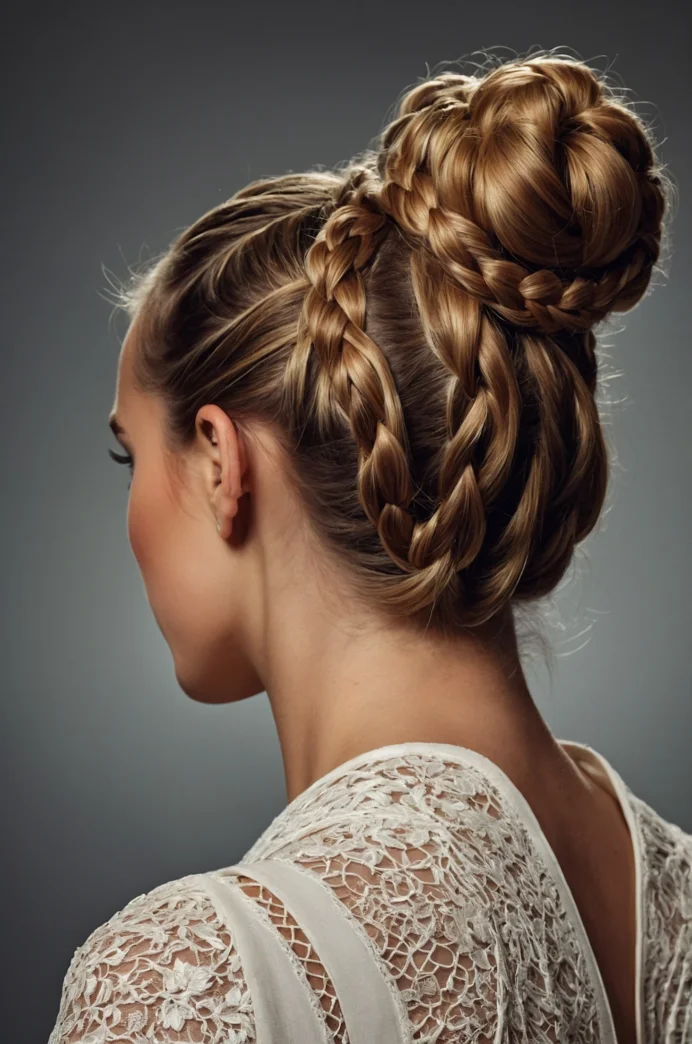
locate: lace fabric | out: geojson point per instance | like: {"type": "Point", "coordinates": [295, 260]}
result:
{"type": "Point", "coordinates": [435, 866]}
{"type": "Point", "coordinates": [667, 915]}
{"type": "Point", "coordinates": [164, 968]}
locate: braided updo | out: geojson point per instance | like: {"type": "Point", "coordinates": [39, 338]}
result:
{"type": "Point", "coordinates": [418, 329]}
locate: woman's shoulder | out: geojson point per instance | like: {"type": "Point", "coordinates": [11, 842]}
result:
{"type": "Point", "coordinates": [163, 964]}
{"type": "Point", "coordinates": [664, 852]}
{"type": "Point", "coordinates": [664, 839]}
{"type": "Point", "coordinates": [176, 962]}
{"type": "Point", "coordinates": [404, 783]}
{"type": "Point", "coordinates": [199, 957]}
{"type": "Point", "coordinates": [665, 908]}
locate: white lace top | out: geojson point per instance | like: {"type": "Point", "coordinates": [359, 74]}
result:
{"type": "Point", "coordinates": [409, 896]}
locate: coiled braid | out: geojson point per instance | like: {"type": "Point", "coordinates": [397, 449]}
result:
{"type": "Point", "coordinates": [452, 166]}
{"type": "Point", "coordinates": [417, 328]}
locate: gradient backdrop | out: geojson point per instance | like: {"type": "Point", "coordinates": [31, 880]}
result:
{"type": "Point", "coordinates": [124, 122]}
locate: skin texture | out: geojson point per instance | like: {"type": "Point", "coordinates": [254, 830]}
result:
{"type": "Point", "coordinates": [256, 605]}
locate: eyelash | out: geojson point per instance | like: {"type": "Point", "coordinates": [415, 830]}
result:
{"type": "Point", "coordinates": [120, 458]}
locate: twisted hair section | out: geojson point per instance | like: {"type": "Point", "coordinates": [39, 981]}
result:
{"type": "Point", "coordinates": [418, 328]}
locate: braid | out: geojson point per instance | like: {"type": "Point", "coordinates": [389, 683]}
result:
{"type": "Point", "coordinates": [427, 190]}
{"type": "Point", "coordinates": [489, 317]}
{"type": "Point", "coordinates": [354, 377]}
{"type": "Point", "coordinates": [418, 331]}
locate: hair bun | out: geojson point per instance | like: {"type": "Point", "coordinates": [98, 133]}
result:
{"type": "Point", "coordinates": [534, 186]}
{"type": "Point", "coordinates": [396, 324]}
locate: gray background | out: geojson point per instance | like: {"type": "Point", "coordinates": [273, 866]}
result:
{"type": "Point", "coordinates": [123, 124]}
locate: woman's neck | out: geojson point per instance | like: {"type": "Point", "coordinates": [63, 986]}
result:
{"type": "Point", "coordinates": [349, 698]}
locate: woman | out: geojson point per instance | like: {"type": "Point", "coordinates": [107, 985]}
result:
{"type": "Point", "coordinates": [360, 409]}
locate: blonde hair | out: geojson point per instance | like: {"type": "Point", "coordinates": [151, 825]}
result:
{"type": "Point", "coordinates": [417, 327]}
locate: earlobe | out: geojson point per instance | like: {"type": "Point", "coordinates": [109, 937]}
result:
{"type": "Point", "coordinates": [227, 509]}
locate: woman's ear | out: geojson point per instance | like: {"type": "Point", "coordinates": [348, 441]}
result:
{"type": "Point", "coordinates": [223, 447]}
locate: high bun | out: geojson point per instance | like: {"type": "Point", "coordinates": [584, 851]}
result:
{"type": "Point", "coordinates": [533, 189]}
{"type": "Point", "coordinates": [418, 329]}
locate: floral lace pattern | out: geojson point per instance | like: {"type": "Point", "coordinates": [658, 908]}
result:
{"type": "Point", "coordinates": [435, 867]}
{"type": "Point", "coordinates": [162, 969]}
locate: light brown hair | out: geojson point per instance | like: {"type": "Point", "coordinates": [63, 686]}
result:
{"type": "Point", "coordinates": [418, 328]}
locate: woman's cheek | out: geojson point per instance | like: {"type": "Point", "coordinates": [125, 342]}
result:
{"type": "Point", "coordinates": [153, 531]}
{"type": "Point", "coordinates": [136, 530]}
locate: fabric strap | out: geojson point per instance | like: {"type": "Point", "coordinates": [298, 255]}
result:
{"type": "Point", "coordinates": [282, 1010]}
{"type": "Point", "coordinates": [366, 999]}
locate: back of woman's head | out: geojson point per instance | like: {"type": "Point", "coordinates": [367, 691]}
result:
{"type": "Point", "coordinates": [417, 327]}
